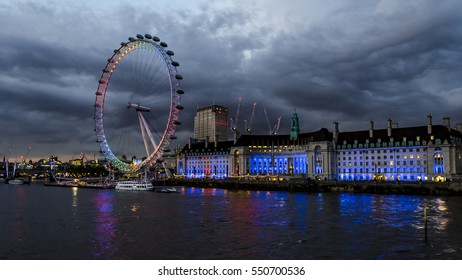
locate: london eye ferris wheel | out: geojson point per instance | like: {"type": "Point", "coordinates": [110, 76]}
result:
{"type": "Point", "coordinates": [138, 104]}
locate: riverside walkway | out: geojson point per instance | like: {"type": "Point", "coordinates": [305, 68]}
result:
{"type": "Point", "coordinates": [310, 186]}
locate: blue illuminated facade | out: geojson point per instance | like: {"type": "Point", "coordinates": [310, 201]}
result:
{"type": "Point", "coordinates": [383, 163]}
{"type": "Point", "coordinates": [284, 155]}
{"type": "Point", "coordinates": [204, 160]}
{"type": "Point", "coordinates": [281, 164]}
{"type": "Point", "coordinates": [422, 153]}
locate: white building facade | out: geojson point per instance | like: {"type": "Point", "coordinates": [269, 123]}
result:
{"type": "Point", "coordinates": [211, 123]}
{"type": "Point", "coordinates": [422, 153]}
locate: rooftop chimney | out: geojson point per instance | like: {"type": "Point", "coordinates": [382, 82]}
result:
{"type": "Point", "coordinates": [371, 129]}
{"type": "Point", "coordinates": [447, 123]}
{"type": "Point", "coordinates": [459, 127]}
{"type": "Point", "coordinates": [335, 132]}
{"type": "Point", "coordinates": [389, 127]}
{"type": "Point", "coordinates": [429, 124]}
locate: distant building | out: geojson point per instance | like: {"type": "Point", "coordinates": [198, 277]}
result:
{"type": "Point", "coordinates": [431, 152]}
{"type": "Point", "coordinates": [205, 160]}
{"type": "Point", "coordinates": [76, 162]}
{"type": "Point", "coordinates": [211, 123]}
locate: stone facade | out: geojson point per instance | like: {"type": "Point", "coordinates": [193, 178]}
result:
{"type": "Point", "coordinates": [422, 153]}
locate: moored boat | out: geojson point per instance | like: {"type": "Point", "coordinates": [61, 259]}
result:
{"type": "Point", "coordinates": [167, 189]}
{"type": "Point", "coordinates": [15, 181]}
{"type": "Point", "coordinates": [134, 185]}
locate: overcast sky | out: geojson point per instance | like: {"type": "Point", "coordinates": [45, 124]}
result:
{"type": "Point", "coordinates": [345, 61]}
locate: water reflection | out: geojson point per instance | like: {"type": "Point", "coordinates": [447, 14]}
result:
{"type": "Point", "coordinates": [104, 244]}
{"type": "Point", "coordinates": [75, 197]}
{"type": "Point", "coordinates": [437, 214]}
{"type": "Point", "coordinates": [63, 223]}
{"type": "Point", "coordinates": [19, 209]}
{"type": "Point", "coordinates": [134, 207]}
{"type": "Point", "coordinates": [394, 211]}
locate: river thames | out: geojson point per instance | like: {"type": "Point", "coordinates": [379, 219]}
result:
{"type": "Point", "coordinates": [57, 223]}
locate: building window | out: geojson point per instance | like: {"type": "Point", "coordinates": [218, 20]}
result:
{"type": "Point", "coordinates": [318, 160]}
{"type": "Point", "coordinates": [438, 161]}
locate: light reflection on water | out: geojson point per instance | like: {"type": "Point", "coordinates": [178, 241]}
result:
{"type": "Point", "coordinates": [207, 223]}
{"type": "Point", "coordinates": [105, 235]}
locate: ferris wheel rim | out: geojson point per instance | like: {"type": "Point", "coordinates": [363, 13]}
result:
{"type": "Point", "coordinates": [175, 101]}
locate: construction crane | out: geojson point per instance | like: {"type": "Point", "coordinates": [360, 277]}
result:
{"type": "Point", "coordinates": [23, 158]}
{"type": "Point", "coordinates": [275, 128]}
{"type": "Point", "coordinates": [248, 128]}
{"type": "Point", "coordinates": [234, 121]}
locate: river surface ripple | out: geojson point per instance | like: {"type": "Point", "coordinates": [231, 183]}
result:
{"type": "Point", "coordinates": [39, 222]}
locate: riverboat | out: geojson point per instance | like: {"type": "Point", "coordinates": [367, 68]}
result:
{"type": "Point", "coordinates": [134, 185]}
{"type": "Point", "coordinates": [166, 189]}
{"type": "Point", "coordinates": [15, 181]}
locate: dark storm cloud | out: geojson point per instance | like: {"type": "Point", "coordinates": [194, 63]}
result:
{"type": "Point", "coordinates": [356, 62]}
{"type": "Point", "coordinates": [320, 69]}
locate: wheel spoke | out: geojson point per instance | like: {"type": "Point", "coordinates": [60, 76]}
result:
{"type": "Point", "coordinates": [141, 74]}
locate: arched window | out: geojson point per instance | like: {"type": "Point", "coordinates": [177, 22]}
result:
{"type": "Point", "coordinates": [180, 167]}
{"type": "Point", "coordinates": [317, 160]}
{"type": "Point", "coordinates": [438, 162]}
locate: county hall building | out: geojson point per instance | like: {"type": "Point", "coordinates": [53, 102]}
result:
{"type": "Point", "coordinates": [422, 153]}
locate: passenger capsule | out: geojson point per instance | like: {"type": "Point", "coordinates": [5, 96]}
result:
{"type": "Point", "coordinates": [178, 77]}
{"type": "Point", "coordinates": [155, 39]}
{"type": "Point", "coordinates": [173, 137]}
{"type": "Point", "coordinates": [176, 122]}
{"type": "Point", "coordinates": [176, 64]}
{"type": "Point", "coordinates": [123, 44]}
{"type": "Point", "coordinates": [102, 81]}
{"type": "Point", "coordinates": [139, 36]}
{"type": "Point", "coordinates": [179, 107]}
{"type": "Point", "coordinates": [99, 93]}
{"type": "Point", "coordinates": [180, 91]}
{"type": "Point", "coordinates": [170, 53]}
{"type": "Point", "coordinates": [159, 160]}
{"type": "Point", "coordinates": [105, 71]}
{"type": "Point", "coordinates": [163, 44]}
{"type": "Point", "coordinates": [148, 36]}
{"type": "Point", "coordinates": [138, 108]}
{"type": "Point", "coordinates": [131, 39]}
